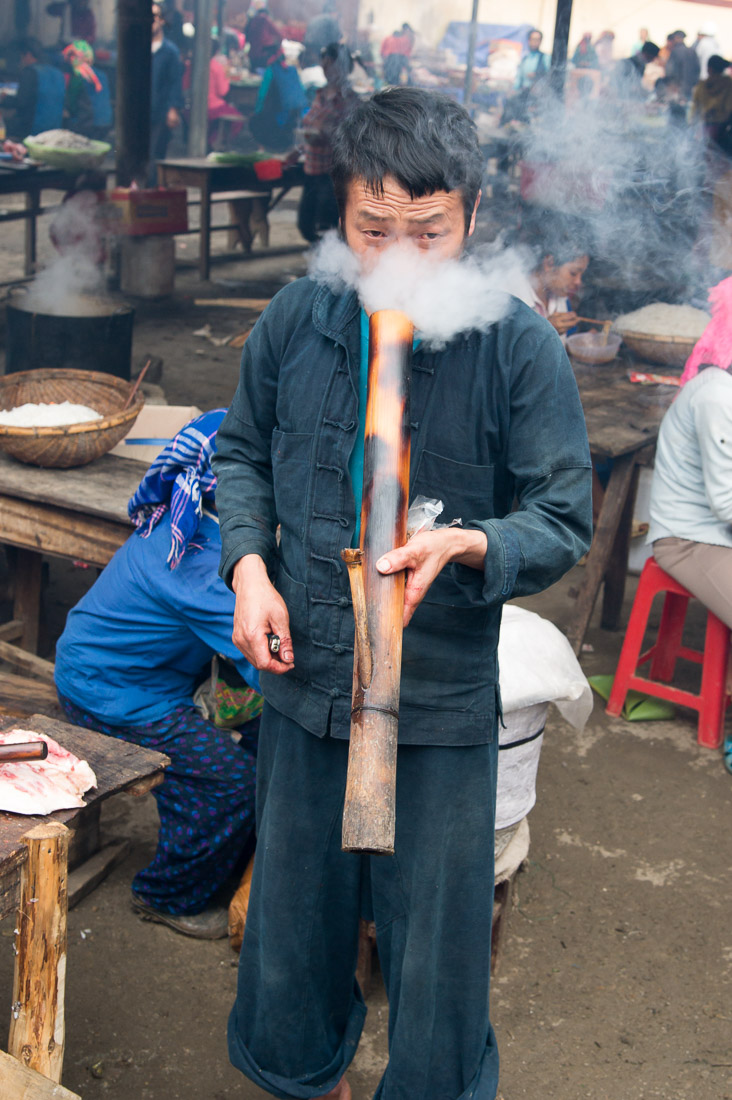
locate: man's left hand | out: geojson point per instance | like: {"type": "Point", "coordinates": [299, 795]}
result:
{"type": "Point", "coordinates": [424, 556]}
{"type": "Point", "coordinates": [173, 118]}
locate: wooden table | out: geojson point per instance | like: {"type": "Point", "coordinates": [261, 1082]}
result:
{"type": "Point", "coordinates": [31, 181]}
{"type": "Point", "coordinates": [623, 419]}
{"type": "Point", "coordinates": [211, 178]}
{"type": "Point", "coordinates": [37, 1017]}
{"type": "Point", "coordinates": [78, 514]}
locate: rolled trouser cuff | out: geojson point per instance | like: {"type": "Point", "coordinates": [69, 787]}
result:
{"type": "Point", "coordinates": [310, 1085]}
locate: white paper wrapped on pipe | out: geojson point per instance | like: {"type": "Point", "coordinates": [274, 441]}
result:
{"type": "Point", "coordinates": [537, 667]}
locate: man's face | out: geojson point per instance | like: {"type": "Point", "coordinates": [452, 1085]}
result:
{"type": "Point", "coordinates": [434, 223]}
{"type": "Point", "coordinates": [535, 40]}
{"type": "Point", "coordinates": [157, 19]}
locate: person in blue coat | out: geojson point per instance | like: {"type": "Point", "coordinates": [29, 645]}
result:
{"type": "Point", "coordinates": [166, 91]}
{"type": "Point", "coordinates": [39, 103]}
{"type": "Point", "coordinates": [135, 648]}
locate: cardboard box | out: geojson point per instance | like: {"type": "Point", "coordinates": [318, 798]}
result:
{"type": "Point", "coordinates": [153, 430]}
{"type": "Point", "coordinates": [137, 213]}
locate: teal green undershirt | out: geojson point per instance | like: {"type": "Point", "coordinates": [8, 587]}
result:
{"type": "Point", "coordinates": [355, 464]}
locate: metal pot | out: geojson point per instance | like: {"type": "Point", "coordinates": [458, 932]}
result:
{"type": "Point", "coordinates": [97, 337]}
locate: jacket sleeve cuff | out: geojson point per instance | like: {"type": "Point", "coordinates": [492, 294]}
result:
{"type": "Point", "coordinates": [502, 562]}
{"type": "Point", "coordinates": [247, 544]}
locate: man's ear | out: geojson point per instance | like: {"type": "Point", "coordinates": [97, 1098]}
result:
{"type": "Point", "coordinates": [471, 227]}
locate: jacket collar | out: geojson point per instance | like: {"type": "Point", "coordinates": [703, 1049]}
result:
{"type": "Point", "coordinates": [333, 315]}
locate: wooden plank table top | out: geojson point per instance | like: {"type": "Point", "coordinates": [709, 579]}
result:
{"type": "Point", "coordinates": [77, 514]}
{"type": "Point", "coordinates": [623, 420]}
{"type": "Point", "coordinates": [118, 765]}
{"type": "Point", "coordinates": [621, 416]}
{"type": "Point", "coordinates": [101, 488]}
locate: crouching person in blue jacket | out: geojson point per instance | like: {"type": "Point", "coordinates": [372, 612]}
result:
{"type": "Point", "coordinates": [128, 662]}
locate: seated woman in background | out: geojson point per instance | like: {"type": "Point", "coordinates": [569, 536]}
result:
{"type": "Point", "coordinates": [133, 652]}
{"type": "Point", "coordinates": [561, 260]}
{"type": "Point", "coordinates": [218, 89]}
{"type": "Point", "coordinates": [691, 495]}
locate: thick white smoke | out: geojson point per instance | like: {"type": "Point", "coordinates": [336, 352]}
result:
{"type": "Point", "coordinates": [67, 286]}
{"type": "Point", "coordinates": [442, 298]}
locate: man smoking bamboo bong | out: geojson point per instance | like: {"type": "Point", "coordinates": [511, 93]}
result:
{"type": "Point", "coordinates": [494, 416]}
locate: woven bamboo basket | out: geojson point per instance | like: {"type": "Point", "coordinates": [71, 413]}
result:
{"type": "Point", "coordinates": [72, 444]}
{"type": "Point", "coordinates": [672, 351]}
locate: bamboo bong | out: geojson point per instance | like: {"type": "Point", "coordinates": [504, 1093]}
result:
{"type": "Point", "coordinates": [378, 600]}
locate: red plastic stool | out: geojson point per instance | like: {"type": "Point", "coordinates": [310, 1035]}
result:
{"type": "Point", "coordinates": [712, 700]}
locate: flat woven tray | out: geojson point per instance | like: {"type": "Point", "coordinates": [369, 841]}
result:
{"type": "Point", "coordinates": [672, 351]}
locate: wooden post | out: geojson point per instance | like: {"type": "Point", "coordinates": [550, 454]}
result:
{"type": "Point", "coordinates": [369, 811]}
{"type": "Point", "coordinates": [561, 44]}
{"type": "Point", "coordinates": [198, 129]}
{"type": "Point", "coordinates": [37, 1024]}
{"type": "Point", "coordinates": [27, 599]}
{"type": "Point", "coordinates": [134, 69]}
{"type": "Point", "coordinates": [470, 60]}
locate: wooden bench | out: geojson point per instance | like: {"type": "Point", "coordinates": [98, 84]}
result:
{"type": "Point", "coordinates": [248, 211]}
{"type": "Point", "coordinates": [216, 180]}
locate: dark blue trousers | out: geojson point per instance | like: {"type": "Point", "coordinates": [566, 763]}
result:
{"type": "Point", "coordinates": [205, 804]}
{"type": "Point", "coordinates": [299, 1013]}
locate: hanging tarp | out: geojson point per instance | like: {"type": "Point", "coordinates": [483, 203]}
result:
{"type": "Point", "coordinates": [456, 39]}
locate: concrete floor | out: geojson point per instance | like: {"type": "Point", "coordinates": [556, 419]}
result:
{"type": "Point", "coordinates": [615, 982]}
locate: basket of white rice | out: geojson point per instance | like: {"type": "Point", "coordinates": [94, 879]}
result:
{"type": "Point", "coordinates": [66, 150]}
{"type": "Point", "coordinates": [661, 332]}
{"type": "Point", "coordinates": [64, 418]}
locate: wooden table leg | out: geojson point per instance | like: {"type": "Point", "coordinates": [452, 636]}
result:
{"type": "Point", "coordinates": [617, 570]}
{"type": "Point", "coordinates": [241, 212]}
{"type": "Point", "coordinates": [32, 206]}
{"type": "Point", "coordinates": [27, 601]}
{"type": "Point", "coordinates": [204, 254]}
{"type": "Point", "coordinates": [258, 221]}
{"type": "Point", "coordinates": [599, 556]}
{"type": "Point", "coordinates": [37, 1031]}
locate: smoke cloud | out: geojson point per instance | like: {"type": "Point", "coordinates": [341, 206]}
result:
{"type": "Point", "coordinates": [68, 286]}
{"type": "Point", "coordinates": [639, 183]}
{"type": "Point", "coordinates": [442, 298]}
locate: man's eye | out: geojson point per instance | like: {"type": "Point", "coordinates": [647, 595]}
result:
{"type": "Point", "coordinates": [430, 236]}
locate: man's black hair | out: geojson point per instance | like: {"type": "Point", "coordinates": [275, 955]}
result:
{"type": "Point", "coordinates": [650, 51]}
{"type": "Point", "coordinates": [336, 51]}
{"type": "Point", "coordinates": [717, 64]}
{"type": "Point", "coordinates": [423, 140]}
{"type": "Point", "coordinates": [28, 44]}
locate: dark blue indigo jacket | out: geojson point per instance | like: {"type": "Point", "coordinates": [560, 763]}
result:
{"type": "Point", "coordinates": [495, 417]}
